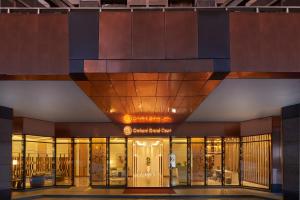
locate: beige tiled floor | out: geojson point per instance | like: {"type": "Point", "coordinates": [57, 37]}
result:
{"type": "Point", "coordinates": [212, 193]}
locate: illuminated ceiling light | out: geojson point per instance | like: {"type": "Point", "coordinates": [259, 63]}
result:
{"type": "Point", "coordinates": [173, 110]}
{"type": "Point", "coordinates": [127, 119]}
{"type": "Point", "coordinates": [112, 110]}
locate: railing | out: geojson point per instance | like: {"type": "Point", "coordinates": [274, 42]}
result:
{"type": "Point", "coordinates": [229, 9]}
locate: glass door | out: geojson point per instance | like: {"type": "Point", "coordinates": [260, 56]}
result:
{"type": "Point", "coordinates": [148, 162]}
{"type": "Point", "coordinates": [82, 164]}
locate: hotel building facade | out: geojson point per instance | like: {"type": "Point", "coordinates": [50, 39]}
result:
{"type": "Point", "coordinates": [186, 97]}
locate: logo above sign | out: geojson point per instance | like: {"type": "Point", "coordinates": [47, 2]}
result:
{"type": "Point", "coordinates": [129, 130]}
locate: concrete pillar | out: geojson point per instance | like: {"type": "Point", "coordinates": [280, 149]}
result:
{"type": "Point", "coordinates": [276, 156]}
{"type": "Point", "coordinates": [6, 128]}
{"type": "Point", "coordinates": [291, 147]}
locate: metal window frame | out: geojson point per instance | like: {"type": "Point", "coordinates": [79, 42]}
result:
{"type": "Point", "coordinates": [72, 161]}
{"type": "Point", "coordinates": [189, 152]}
{"type": "Point", "coordinates": [91, 162]}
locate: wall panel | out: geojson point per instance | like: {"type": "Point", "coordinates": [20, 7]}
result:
{"type": "Point", "coordinates": [34, 44]}
{"type": "Point", "coordinates": [115, 35]}
{"type": "Point", "coordinates": [181, 34]}
{"type": "Point", "coordinates": [148, 34]}
{"type": "Point", "coordinates": [265, 42]}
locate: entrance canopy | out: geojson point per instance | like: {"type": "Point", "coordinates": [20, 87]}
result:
{"type": "Point", "coordinates": [148, 97]}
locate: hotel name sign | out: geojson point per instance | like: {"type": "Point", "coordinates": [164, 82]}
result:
{"type": "Point", "coordinates": [132, 130]}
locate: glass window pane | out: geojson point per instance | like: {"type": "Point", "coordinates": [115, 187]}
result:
{"type": "Point", "coordinates": [179, 173]}
{"type": "Point", "coordinates": [117, 140]}
{"type": "Point", "coordinates": [17, 137]}
{"type": "Point", "coordinates": [98, 140]}
{"type": "Point", "coordinates": [214, 161]}
{"type": "Point", "coordinates": [256, 166]}
{"type": "Point", "coordinates": [63, 140]}
{"type": "Point", "coordinates": [98, 164]}
{"type": "Point", "coordinates": [82, 164]}
{"type": "Point", "coordinates": [64, 163]}
{"type": "Point", "coordinates": [39, 161]}
{"type": "Point", "coordinates": [82, 140]}
{"type": "Point", "coordinates": [197, 161]}
{"type": "Point", "coordinates": [17, 162]}
{"type": "Point", "coordinates": [232, 160]}
{"type": "Point", "coordinates": [33, 138]}
{"type": "Point", "coordinates": [117, 161]}
{"type": "Point", "coordinates": [194, 140]}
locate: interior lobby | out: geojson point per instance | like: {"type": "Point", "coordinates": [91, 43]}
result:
{"type": "Point", "coordinates": [185, 102]}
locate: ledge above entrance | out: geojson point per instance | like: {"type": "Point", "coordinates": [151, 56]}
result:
{"type": "Point", "coordinates": [159, 66]}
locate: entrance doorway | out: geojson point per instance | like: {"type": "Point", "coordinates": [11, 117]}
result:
{"type": "Point", "coordinates": [148, 162]}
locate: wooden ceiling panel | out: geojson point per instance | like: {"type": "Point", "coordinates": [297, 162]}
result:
{"type": "Point", "coordinates": [177, 102]}
{"type": "Point", "coordinates": [191, 88]}
{"type": "Point", "coordinates": [86, 86]}
{"type": "Point", "coordinates": [167, 88]}
{"type": "Point", "coordinates": [121, 76]}
{"type": "Point", "coordinates": [145, 76]}
{"type": "Point", "coordinates": [102, 88]}
{"type": "Point", "coordinates": [170, 76]}
{"type": "Point", "coordinates": [146, 88]}
{"type": "Point", "coordinates": [197, 76]}
{"type": "Point", "coordinates": [128, 105]}
{"type": "Point", "coordinates": [148, 97]}
{"type": "Point", "coordinates": [124, 88]}
{"type": "Point", "coordinates": [110, 104]}
{"type": "Point", "coordinates": [97, 76]}
{"type": "Point", "coordinates": [148, 104]}
{"type": "Point", "coordinates": [162, 105]}
{"type": "Point", "coordinates": [209, 86]}
{"type": "Point", "coordinates": [137, 103]}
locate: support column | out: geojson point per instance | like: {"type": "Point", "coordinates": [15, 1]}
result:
{"type": "Point", "coordinates": [291, 147]}
{"type": "Point", "coordinates": [6, 128]}
{"type": "Point", "coordinates": [276, 156]}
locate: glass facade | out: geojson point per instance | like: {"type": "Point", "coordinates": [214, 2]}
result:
{"type": "Point", "coordinates": [256, 161]}
{"type": "Point", "coordinates": [197, 161]}
{"type": "Point", "coordinates": [64, 161]}
{"type": "Point", "coordinates": [17, 162]}
{"type": "Point", "coordinates": [141, 162]}
{"type": "Point", "coordinates": [117, 162]}
{"type": "Point", "coordinates": [179, 172]}
{"type": "Point", "coordinates": [99, 162]}
{"type": "Point", "coordinates": [231, 161]}
{"type": "Point", "coordinates": [82, 161]}
{"type": "Point", "coordinates": [213, 161]}
{"type": "Point", "coordinates": [39, 162]}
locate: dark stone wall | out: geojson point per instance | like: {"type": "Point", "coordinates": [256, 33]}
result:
{"type": "Point", "coordinates": [83, 38]}
{"type": "Point", "coordinates": [291, 147]}
{"type": "Point", "coordinates": [6, 128]}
